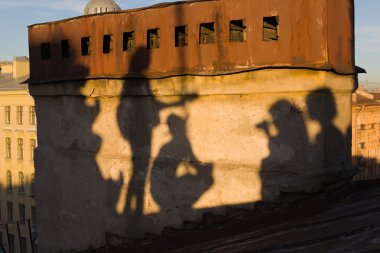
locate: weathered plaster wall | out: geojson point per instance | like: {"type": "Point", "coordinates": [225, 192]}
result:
{"type": "Point", "coordinates": [134, 156]}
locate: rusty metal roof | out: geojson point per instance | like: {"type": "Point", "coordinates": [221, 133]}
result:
{"type": "Point", "coordinates": [309, 34]}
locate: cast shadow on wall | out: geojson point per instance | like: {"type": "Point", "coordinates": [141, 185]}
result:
{"type": "Point", "coordinates": [291, 150]}
{"type": "Point", "coordinates": [138, 114]}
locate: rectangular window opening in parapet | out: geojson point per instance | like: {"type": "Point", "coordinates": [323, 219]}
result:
{"type": "Point", "coordinates": [45, 51]}
{"type": "Point", "coordinates": [207, 33]}
{"type": "Point", "coordinates": [65, 48]}
{"type": "Point", "coordinates": [180, 36]}
{"type": "Point", "coordinates": [128, 41]}
{"type": "Point", "coordinates": [85, 46]}
{"type": "Point", "coordinates": [153, 38]}
{"type": "Point", "coordinates": [270, 28]}
{"type": "Point", "coordinates": [107, 41]}
{"type": "Point", "coordinates": [238, 30]}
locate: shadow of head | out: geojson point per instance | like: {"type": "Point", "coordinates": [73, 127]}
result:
{"type": "Point", "coordinates": [280, 111]}
{"type": "Point", "coordinates": [177, 125]}
{"type": "Point", "coordinates": [140, 61]}
{"type": "Point", "coordinates": [321, 105]}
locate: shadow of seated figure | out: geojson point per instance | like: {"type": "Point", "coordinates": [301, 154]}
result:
{"type": "Point", "coordinates": [137, 115]}
{"type": "Point", "coordinates": [178, 179]}
{"type": "Point", "coordinates": [289, 148]}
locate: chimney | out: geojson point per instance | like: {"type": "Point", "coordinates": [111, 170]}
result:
{"type": "Point", "coordinates": [6, 68]}
{"type": "Point", "coordinates": [20, 67]}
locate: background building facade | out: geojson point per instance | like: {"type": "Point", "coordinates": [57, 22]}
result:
{"type": "Point", "coordinates": [366, 134]}
{"type": "Point", "coordinates": [17, 142]}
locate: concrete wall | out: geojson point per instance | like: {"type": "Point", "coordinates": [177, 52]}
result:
{"type": "Point", "coordinates": [129, 157]}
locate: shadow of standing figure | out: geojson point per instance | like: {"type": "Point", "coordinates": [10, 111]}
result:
{"type": "Point", "coordinates": [288, 148]}
{"type": "Point", "coordinates": [170, 187]}
{"type": "Point", "coordinates": [336, 146]}
{"type": "Point", "coordinates": [138, 114]}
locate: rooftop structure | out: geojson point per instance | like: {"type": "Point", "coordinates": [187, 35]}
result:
{"type": "Point", "coordinates": [100, 6]}
{"type": "Point", "coordinates": [157, 116]}
{"type": "Point", "coordinates": [196, 38]}
{"type": "Point", "coordinates": [14, 74]}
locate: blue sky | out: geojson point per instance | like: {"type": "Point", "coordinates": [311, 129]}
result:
{"type": "Point", "coordinates": [16, 15]}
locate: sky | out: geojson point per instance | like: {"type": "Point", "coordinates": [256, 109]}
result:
{"type": "Point", "coordinates": [16, 15]}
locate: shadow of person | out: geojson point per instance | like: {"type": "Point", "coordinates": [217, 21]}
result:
{"type": "Point", "coordinates": [137, 115]}
{"type": "Point", "coordinates": [332, 140]}
{"type": "Point", "coordinates": [288, 144]}
{"type": "Point", "coordinates": [174, 189]}
{"type": "Point", "coordinates": [67, 137]}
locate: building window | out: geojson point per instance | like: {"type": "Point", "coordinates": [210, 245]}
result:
{"type": "Point", "coordinates": [65, 49]}
{"type": "Point", "coordinates": [32, 184]}
{"type": "Point", "coordinates": [8, 148]}
{"type": "Point", "coordinates": [32, 115]}
{"type": "Point", "coordinates": [33, 217]}
{"type": "Point", "coordinates": [270, 28]}
{"type": "Point", "coordinates": [85, 46]}
{"type": "Point", "coordinates": [128, 41]}
{"type": "Point", "coordinates": [10, 211]}
{"type": "Point", "coordinates": [207, 33]}
{"type": "Point", "coordinates": [21, 183]}
{"type": "Point", "coordinates": [180, 34]}
{"type": "Point", "coordinates": [238, 31]}
{"type": "Point", "coordinates": [33, 145]}
{"type": "Point", "coordinates": [107, 40]}
{"type": "Point", "coordinates": [21, 212]}
{"type": "Point", "coordinates": [153, 38]}
{"type": "Point", "coordinates": [20, 149]}
{"type": "Point", "coordinates": [19, 115]}
{"type": "Point", "coordinates": [7, 115]}
{"type": "Point", "coordinates": [9, 180]}
{"type": "Point", "coordinates": [23, 245]}
{"type": "Point", "coordinates": [11, 243]}
{"type": "Point", "coordinates": [45, 51]}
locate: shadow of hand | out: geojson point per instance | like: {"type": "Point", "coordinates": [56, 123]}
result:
{"type": "Point", "coordinates": [264, 125]}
